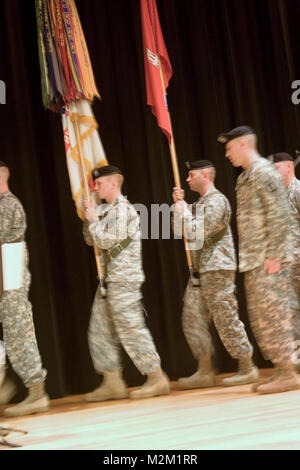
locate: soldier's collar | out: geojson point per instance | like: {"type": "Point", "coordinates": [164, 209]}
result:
{"type": "Point", "coordinates": [293, 180]}
{"type": "Point", "coordinates": [211, 189]}
{"type": "Point", "coordinates": [246, 173]}
{"type": "Point", "coordinates": [6, 193]}
{"type": "Point", "coordinates": [107, 206]}
{"type": "Point", "coordinates": [119, 198]}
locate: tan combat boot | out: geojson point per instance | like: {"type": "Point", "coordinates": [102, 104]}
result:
{"type": "Point", "coordinates": [203, 378]}
{"type": "Point", "coordinates": [7, 391]}
{"type": "Point", "coordinates": [266, 380]}
{"type": "Point", "coordinates": [2, 373]}
{"type": "Point", "coordinates": [247, 373]}
{"type": "Point", "coordinates": [157, 383]}
{"type": "Point", "coordinates": [113, 387]}
{"type": "Point", "coordinates": [37, 401]}
{"type": "Point", "coordinates": [297, 368]}
{"type": "Point", "coordinates": [284, 380]}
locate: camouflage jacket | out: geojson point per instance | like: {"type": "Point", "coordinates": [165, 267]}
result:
{"type": "Point", "coordinates": [13, 225]}
{"type": "Point", "coordinates": [12, 219]}
{"type": "Point", "coordinates": [207, 222]}
{"type": "Point", "coordinates": [117, 222]}
{"type": "Point", "coordinates": [263, 216]}
{"type": "Point", "coordinates": [294, 200]}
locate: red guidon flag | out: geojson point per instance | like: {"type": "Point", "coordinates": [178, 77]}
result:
{"type": "Point", "coordinates": [155, 53]}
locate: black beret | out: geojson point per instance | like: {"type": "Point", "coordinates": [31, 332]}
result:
{"type": "Point", "coordinates": [234, 134]}
{"type": "Point", "coordinates": [280, 157]}
{"type": "Point", "coordinates": [199, 165]}
{"type": "Point", "coordinates": [106, 170]}
{"type": "Point", "coordinates": [3, 164]}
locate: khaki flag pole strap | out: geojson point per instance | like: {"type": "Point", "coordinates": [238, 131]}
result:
{"type": "Point", "coordinates": [86, 188]}
{"type": "Point", "coordinates": [176, 174]}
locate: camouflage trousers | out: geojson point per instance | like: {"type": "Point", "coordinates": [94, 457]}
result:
{"type": "Point", "coordinates": [268, 304]}
{"type": "Point", "coordinates": [2, 354]}
{"type": "Point", "coordinates": [119, 319]}
{"type": "Point", "coordinates": [2, 362]}
{"type": "Point", "coordinates": [19, 336]}
{"type": "Point", "coordinates": [295, 300]}
{"type": "Point", "coordinates": [214, 301]}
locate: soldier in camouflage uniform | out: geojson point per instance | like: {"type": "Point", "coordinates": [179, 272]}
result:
{"type": "Point", "coordinates": [214, 261]}
{"type": "Point", "coordinates": [16, 312]}
{"type": "Point", "coordinates": [265, 254]}
{"type": "Point", "coordinates": [118, 318]}
{"type": "Point", "coordinates": [285, 165]}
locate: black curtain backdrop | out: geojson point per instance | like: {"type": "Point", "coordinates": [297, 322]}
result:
{"type": "Point", "coordinates": [233, 63]}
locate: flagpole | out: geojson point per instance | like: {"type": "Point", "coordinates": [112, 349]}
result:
{"type": "Point", "coordinates": [176, 175]}
{"type": "Point", "coordinates": [74, 119]}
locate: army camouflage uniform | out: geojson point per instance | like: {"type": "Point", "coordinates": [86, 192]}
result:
{"type": "Point", "coordinates": [264, 218]}
{"type": "Point", "coordinates": [119, 317]}
{"type": "Point", "coordinates": [294, 200]}
{"type": "Point", "coordinates": [15, 308]}
{"type": "Point", "coordinates": [216, 262]}
{"type": "Point", "coordinates": [2, 362]}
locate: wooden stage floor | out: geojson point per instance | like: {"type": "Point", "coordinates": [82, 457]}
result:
{"type": "Point", "coordinates": [215, 418]}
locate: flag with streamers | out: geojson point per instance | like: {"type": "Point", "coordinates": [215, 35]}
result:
{"type": "Point", "coordinates": [66, 71]}
{"type": "Point", "coordinates": [93, 154]}
{"type": "Point", "coordinates": [68, 86]}
{"type": "Point", "coordinates": [156, 62]}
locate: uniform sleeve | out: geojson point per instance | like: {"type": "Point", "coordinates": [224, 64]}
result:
{"type": "Point", "coordinates": [193, 224]}
{"type": "Point", "coordinates": [207, 219]}
{"type": "Point", "coordinates": [177, 221]}
{"type": "Point", "coordinates": [117, 226]}
{"type": "Point", "coordinates": [216, 216]}
{"type": "Point", "coordinates": [277, 213]}
{"type": "Point", "coordinates": [86, 234]}
{"type": "Point", "coordinates": [12, 222]}
{"type": "Point", "coordinates": [297, 198]}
